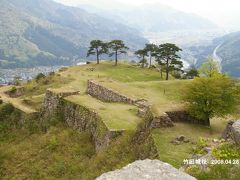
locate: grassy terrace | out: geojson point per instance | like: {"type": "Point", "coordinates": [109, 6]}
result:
{"type": "Point", "coordinates": [122, 73]}
{"type": "Point", "coordinates": [175, 154]}
{"type": "Point", "coordinates": [129, 80]}
{"type": "Point", "coordinates": [116, 116]}
{"type": "Point", "coordinates": [162, 95]}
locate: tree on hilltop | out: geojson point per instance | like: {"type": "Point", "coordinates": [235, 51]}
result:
{"type": "Point", "coordinates": [150, 48]}
{"type": "Point", "coordinates": [192, 73]}
{"type": "Point", "coordinates": [142, 53]}
{"type": "Point", "coordinates": [167, 55]}
{"type": "Point", "coordinates": [97, 47]}
{"type": "Point", "coordinates": [117, 47]}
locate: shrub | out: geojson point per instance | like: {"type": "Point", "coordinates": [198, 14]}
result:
{"type": "Point", "coordinates": [193, 170]}
{"type": "Point", "coordinates": [227, 151]}
{"type": "Point", "coordinates": [63, 69]}
{"type": "Point", "coordinates": [5, 111]}
{"type": "Point", "coordinates": [51, 74]}
{"type": "Point", "coordinates": [209, 68]}
{"type": "Point", "coordinates": [39, 77]}
{"type": "Point", "coordinates": [201, 143]}
{"type": "Point", "coordinates": [192, 73]}
{"type": "Point", "coordinates": [177, 75]}
{"type": "Point", "coordinates": [13, 90]}
{"type": "Point", "coordinates": [220, 172]}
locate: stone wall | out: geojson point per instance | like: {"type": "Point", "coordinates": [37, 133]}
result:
{"type": "Point", "coordinates": [85, 119]}
{"type": "Point", "coordinates": [166, 120]}
{"type": "Point", "coordinates": [105, 94]}
{"type": "Point", "coordinates": [52, 104]}
{"type": "Point", "coordinates": [78, 117]}
{"type": "Point", "coordinates": [184, 116]}
{"type": "Point", "coordinates": [16, 92]}
{"type": "Point", "coordinates": [145, 145]}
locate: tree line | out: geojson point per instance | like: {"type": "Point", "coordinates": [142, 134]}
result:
{"type": "Point", "coordinates": [112, 48]}
{"type": "Point", "coordinates": [166, 55]}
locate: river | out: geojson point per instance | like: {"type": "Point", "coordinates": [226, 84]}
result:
{"type": "Point", "coordinates": [216, 57]}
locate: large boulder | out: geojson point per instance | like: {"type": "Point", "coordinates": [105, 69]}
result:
{"type": "Point", "coordinates": [146, 170]}
{"type": "Point", "coordinates": [236, 131]}
{"type": "Point", "coordinates": [232, 131]}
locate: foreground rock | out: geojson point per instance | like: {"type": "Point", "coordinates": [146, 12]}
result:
{"type": "Point", "coordinates": [146, 169]}
{"type": "Point", "coordinates": [232, 131]}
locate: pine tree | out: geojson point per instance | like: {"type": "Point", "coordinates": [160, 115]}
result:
{"type": "Point", "coordinates": [97, 47]}
{"type": "Point", "coordinates": [117, 47]}
{"type": "Point", "coordinates": [167, 55]}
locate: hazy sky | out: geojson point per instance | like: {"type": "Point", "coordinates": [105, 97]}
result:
{"type": "Point", "coordinates": [222, 12]}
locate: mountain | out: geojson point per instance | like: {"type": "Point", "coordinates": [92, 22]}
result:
{"type": "Point", "coordinates": [43, 32]}
{"type": "Point", "coordinates": [154, 18]}
{"type": "Point", "coordinates": [229, 52]}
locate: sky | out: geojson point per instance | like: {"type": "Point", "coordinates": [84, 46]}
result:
{"type": "Point", "coordinates": [222, 12]}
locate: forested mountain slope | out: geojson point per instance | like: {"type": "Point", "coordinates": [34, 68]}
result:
{"type": "Point", "coordinates": [43, 32]}
{"type": "Point", "coordinates": [229, 52]}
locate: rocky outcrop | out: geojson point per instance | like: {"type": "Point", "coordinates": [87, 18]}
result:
{"type": "Point", "coordinates": [161, 121]}
{"type": "Point", "coordinates": [105, 94]}
{"type": "Point", "coordinates": [232, 131]}
{"type": "Point", "coordinates": [146, 169]}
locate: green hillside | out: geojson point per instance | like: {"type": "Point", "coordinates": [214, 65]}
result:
{"type": "Point", "coordinates": [65, 152]}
